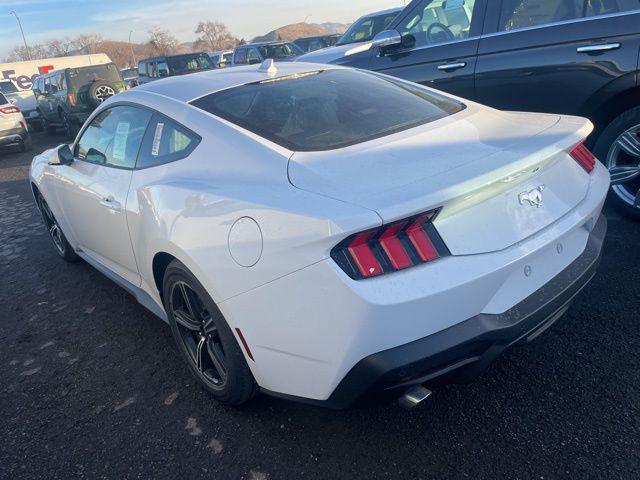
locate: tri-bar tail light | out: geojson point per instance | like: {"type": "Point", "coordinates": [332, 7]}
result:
{"type": "Point", "coordinates": [583, 156]}
{"type": "Point", "coordinates": [391, 247]}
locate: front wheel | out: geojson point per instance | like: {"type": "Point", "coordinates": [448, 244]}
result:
{"type": "Point", "coordinates": [619, 149]}
{"type": "Point", "coordinates": [60, 243]}
{"type": "Point", "coordinates": [204, 339]}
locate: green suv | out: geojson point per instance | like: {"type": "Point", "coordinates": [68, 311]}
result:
{"type": "Point", "coordinates": [67, 97]}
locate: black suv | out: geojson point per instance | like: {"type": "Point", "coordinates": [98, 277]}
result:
{"type": "Point", "coordinates": [67, 97]}
{"type": "Point", "coordinates": [577, 57]}
{"type": "Point", "coordinates": [154, 68]}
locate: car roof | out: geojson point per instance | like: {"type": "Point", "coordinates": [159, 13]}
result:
{"type": "Point", "coordinates": [259, 44]}
{"type": "Point", "coordinates": [186, 88]}
{"type": "Point", "coordinates": [383, 12]}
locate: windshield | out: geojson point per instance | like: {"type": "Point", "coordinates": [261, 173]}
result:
{"type": "Point", "coordinates": [189, 63]}
{"type": "Point", "coordinates": [8, 87]}
{"type": "Point", "coordinates": [280, 51]}
{"type": "Point", "coordinates": [366, 28]}
{"type": "Point", "coordinates": [80, 77]}
{"type": "Point", "coordinates": [327, 109]}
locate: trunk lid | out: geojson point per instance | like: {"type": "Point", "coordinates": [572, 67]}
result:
{"type": "Point", "coordinates": [481, 166]}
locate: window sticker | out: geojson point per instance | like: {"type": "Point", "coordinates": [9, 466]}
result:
{"type": "Point", "coordinates": [155, 148]}
{"type": "Point", "coordinates": [453, 4]}
{"type": "Point", "coordinates": [120, 141]}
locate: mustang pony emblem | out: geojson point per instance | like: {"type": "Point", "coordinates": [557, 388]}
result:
{"type": "Point", "coordinates": [534, 197]}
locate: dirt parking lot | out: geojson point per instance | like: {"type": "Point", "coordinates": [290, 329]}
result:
{"type": "Point", "coordinates": [93, 387]}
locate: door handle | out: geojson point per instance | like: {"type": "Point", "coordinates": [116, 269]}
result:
{"type": "Point", "coordinates": [111, 203]}
{"type": "Point", "coordinates": [451, 66]}
{"type": "Point", "coordinates": [603, 47]}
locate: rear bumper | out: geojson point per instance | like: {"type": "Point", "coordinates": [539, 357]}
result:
{"type": "Point", "coordinates": [13, 137]}
{"type": "Point", "coordinates": [461, 352]}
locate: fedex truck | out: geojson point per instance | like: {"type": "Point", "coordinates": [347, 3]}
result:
{"type": "Point", "coordinates": [16, 79]}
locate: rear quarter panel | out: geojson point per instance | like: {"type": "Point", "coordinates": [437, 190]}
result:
{"type": "Point", "coordinates": [187, 209]}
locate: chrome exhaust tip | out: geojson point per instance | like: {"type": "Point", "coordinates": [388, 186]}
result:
{"type": "Point", "coordinates": [414, 396]}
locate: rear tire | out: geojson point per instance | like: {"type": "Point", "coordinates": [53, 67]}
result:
{"type": "Point", "coordinates": [60, 243]}
{"type": "Point", "coordinates": [619, 146]}
{"type": "Point", "coordinates": [26, 145]}
{"type": "Point", "coordinates": [70, 130]}
{"type": "Point", "coordinates": [202, 333]}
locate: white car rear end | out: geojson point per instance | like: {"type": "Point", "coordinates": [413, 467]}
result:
{"type": "Point", "coordinates": [13, 127]}
{"type": "Point", "coordinates": [357, 233]}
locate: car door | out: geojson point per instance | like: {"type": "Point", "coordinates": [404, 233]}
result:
{"type": "Point", "coordinates": [556, 55]}
{"type": "Point", "coordinates": [48, 100]}
{"type": "Point", "coordinates": [94, 187]}
{"type": "Point", "coordinates": [440, 40]}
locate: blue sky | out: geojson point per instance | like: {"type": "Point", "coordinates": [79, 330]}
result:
{"type": "Point", "coordinates": [113, 19]}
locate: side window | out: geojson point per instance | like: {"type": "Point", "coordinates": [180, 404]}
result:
{"type": "Point", "coordinates": [516, 14]}
{"type": "Point", "coordinates": [153, 70]}
{"type": "Point", "coordinates": [253, 56]}
{"type": "Point", "coordinates": [166, 141]}
{"type": "Point", "coordinates": [163, 68]}
{"type": "Point", "coordinates": [142, 69]}
{"type": "Point", "coordinates": [240, 56]}
{"type": "Point", "coordinates": [114, 137]}
{"type": "Point", "coordinates": [434, 22]}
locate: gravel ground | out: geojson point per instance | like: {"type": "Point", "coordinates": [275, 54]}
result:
{"type": "Point", "coordinates": [92, 386]}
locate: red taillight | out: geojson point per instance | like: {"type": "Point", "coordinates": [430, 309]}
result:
{"type": "Point", "coordinates": [391, 247]}
{"type": "Point", "coordinates": [12, 109]}
{"type": "Point", "coordinates": [71, 97]}
{"type": "Point", "coordinates": [584, 157]}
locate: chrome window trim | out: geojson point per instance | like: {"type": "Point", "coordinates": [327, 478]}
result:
{"type": "Point", "coordinates": [423, 47]}
{"type": "Point", "coordinates": [563, 22]}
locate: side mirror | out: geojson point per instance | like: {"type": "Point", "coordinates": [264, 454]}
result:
{"type": "Point", "coordinates": [65, 156]}
{"type": "Point", "coordinates": [386, 39]}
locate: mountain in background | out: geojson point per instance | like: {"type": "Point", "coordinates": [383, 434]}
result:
{"type": "Point", "coordinates": [300, 30]}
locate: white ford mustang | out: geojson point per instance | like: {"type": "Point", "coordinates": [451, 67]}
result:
{"type": "Point", "coordinates": [323, 233]}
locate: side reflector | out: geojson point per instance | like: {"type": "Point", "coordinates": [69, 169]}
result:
{"type": "Point", "coordinates": [584, 157]}
{"type": "Point", "coordinates": [389, 248]}
{"type": "Point", "coordinates": [244, 344]}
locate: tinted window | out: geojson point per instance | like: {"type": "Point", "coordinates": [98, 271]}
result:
{"type": "Point", "coordinates": [253, 56]}
{"type": "Point", "coordinates": [166, 141]}
{"type": "Point", "coordinates": [280, 51]}
{"type": "Point", "coordinates": [113, 137]}
{"type": "Point", "coordinates": [79, 77]}
{"type": "Point", "coordinates": [240, 56]}
{"type": "Point", "coordinates": [329, 109]}
{"type": "Point", "coordinates": [437, 22]}
{"type": "Point", "coordinates": [517, 14]}
{"type": "Point", "coordinates": [3, 99]}
{"type": "Point", "coordinates": [366, 28]}
{"type": "Point", "coordinates": [8, 87]}
{"type": "Point", "coordinates": [187, 63]}
{"type": "Point", "coordinates": [142, 69]}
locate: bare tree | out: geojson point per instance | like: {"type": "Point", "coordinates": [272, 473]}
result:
{"type": "Point", "coordinates": [214, 36]}
{"type": "Point", "coordinates": [162, 42]}
{"type": "Point", "coordinates": [20, 53]}
{"type": "Point", "coordinates": [60, 47]}
{"type": "Point", "coordinates": [88, 43]}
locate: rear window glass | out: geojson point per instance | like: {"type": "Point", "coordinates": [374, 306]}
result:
{"type": "Point", "coordinates": [79, 77]}
{"type": "Point", "coordinates": [3, 99]}
{"type": "Point", "coordinates": [8, 87]}
{"type": "Point", "coordinates": [327, 109]}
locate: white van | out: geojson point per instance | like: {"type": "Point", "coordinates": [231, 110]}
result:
{"type": "Point", "coordinates": [16, 79]}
